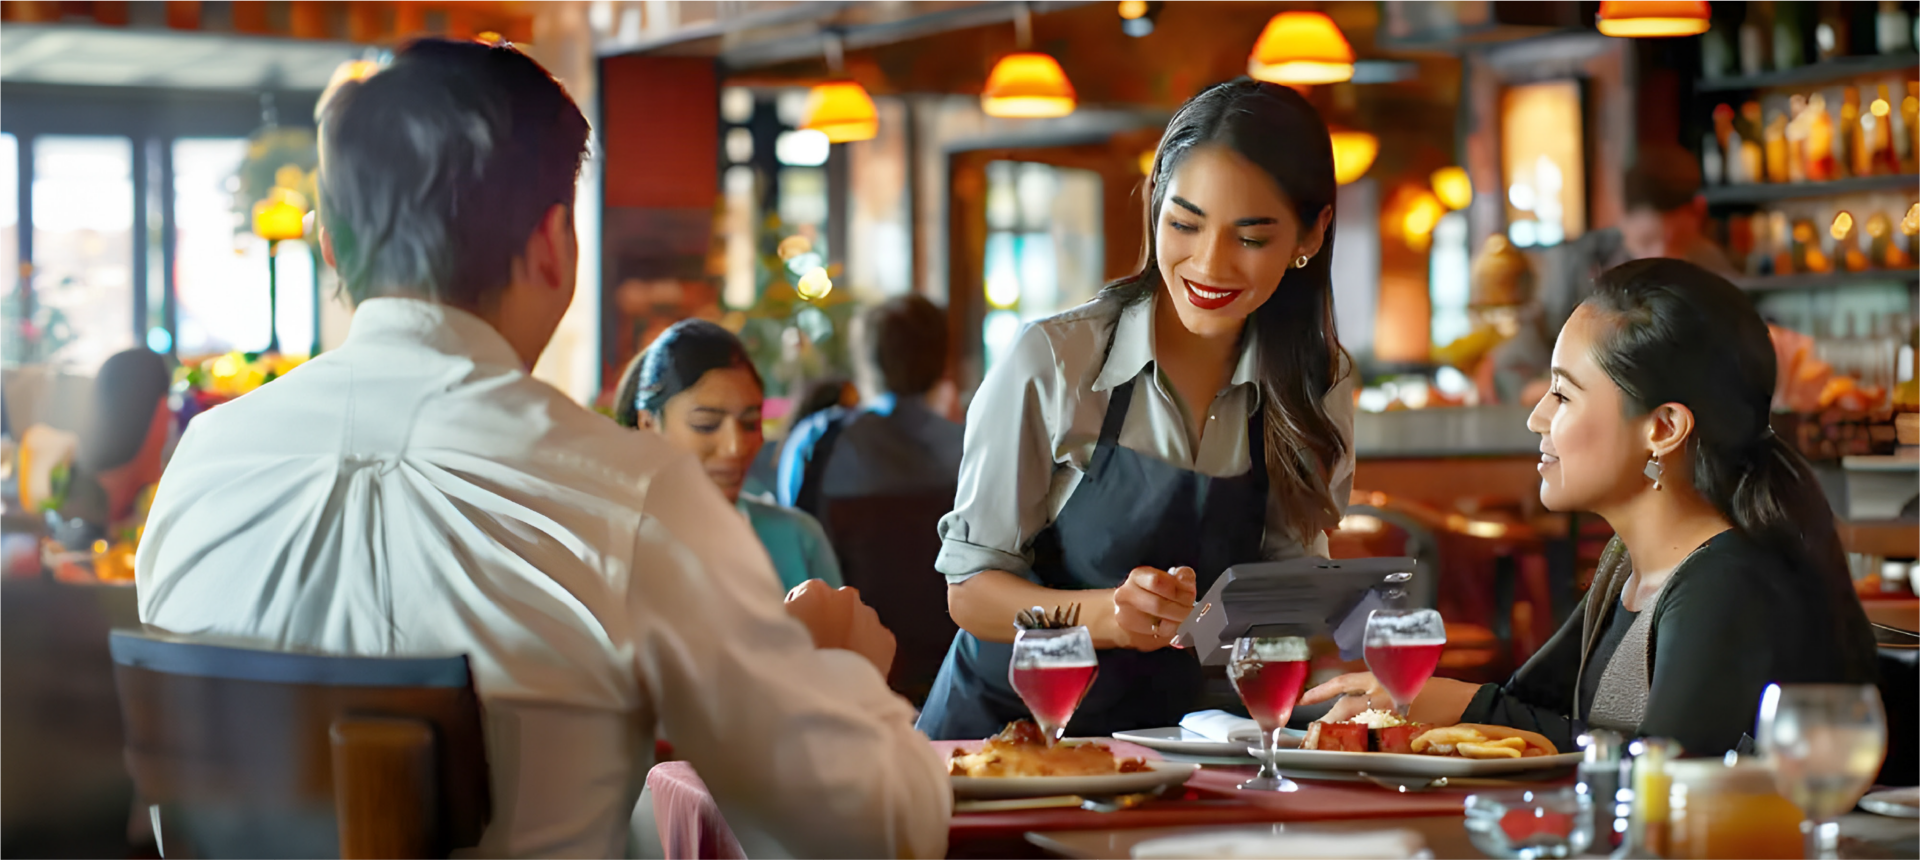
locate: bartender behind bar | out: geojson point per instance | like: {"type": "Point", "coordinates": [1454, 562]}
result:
{"type": "Point", "coordinates": [1194, 416]}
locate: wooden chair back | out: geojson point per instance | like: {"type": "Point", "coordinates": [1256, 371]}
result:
{"type": "Point", "coordinates": [243, 752]}
{"type": "Point", "coordinates": [887, 546]}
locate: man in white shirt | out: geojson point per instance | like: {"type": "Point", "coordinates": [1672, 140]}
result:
{"type": "Point", "coordinates": [418, 492]}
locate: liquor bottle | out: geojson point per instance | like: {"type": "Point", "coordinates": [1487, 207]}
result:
{"type": "Point", "coordinates": [1755, 52]}
{"type": "Point", "coordinates": [1830, 36]}
{"type": "Point", "coordinates": [1893, 32]}
{"type": "Point", "coordinates": [1789, 37]}
{"type": "Point", "coordinates": [1716, 54]}
{"type": "Point", "coordinates": [1799, 122]}
{"type": "Point", "coordinates": [1776, 148]}
{"type": "Point", "coordinates": [1865, 156]}
{"type": "Point", "coordinates": [1879, 240]}
{"type": "Point", "coordinates": [1910, 116]}
{"type": "Point", "coordinates": [1847, 135]}
{"type": "Point", "coordinates": [1712, 163]}
{"type": "Point", "coordinates": [1886, 162]}
{"type": "Point", "coordinates": [1817, 146]}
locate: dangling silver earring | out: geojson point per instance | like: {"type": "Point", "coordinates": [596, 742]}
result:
{"type": "Point", "coordinates": [1654, 471]}
{"type": "Point", "coordinates": [1300, 262]}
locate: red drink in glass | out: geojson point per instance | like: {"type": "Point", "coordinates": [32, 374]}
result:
{"type": "Point", "coordinates": [1053, 692]}
{"type": "Point", "coordinates": [1404, 667]}
{"type": "Point", "coordinates": [1269, 689]}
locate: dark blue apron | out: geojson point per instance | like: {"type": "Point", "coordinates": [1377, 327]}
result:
{"type": "Point", "coordinates": [1129, 510]}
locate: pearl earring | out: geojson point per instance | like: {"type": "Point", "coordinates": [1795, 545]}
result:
{"type": "Point", "coordinates": [1300, 262]}
{"type": "Point", "coordinates": [1654, 471]}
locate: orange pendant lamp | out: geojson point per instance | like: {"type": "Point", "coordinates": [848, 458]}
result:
{"type": "Point", "coordinates": [1353, 153]}
{"type": "Point", "coordinates": [842, 111]}
{"type": "Point", "coordinates": [1027, 85]}
{"type": "Point", "coordinates": [1653, 19]}
{"type": "Point", "coordinates": [1300, 48]}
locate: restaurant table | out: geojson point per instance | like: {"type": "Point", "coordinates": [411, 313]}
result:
{"type": "Point", "coordinates": [1863, 836]}
{"type": "Point", "coordinates": [691, 824]}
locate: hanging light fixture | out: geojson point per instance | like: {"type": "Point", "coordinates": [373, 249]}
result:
{"type": "Point", "coordinates": [1299, 48]}
{"type": "Point", "coordinates": [1453, 186]}
{"type": "Point", "coordinates": [1027, 84]}
{"type": "Point", "coordinates": [1353, 153]}
{"type": "Point", "coordinates": [1643, 19]}
{"type": "Point", "coordinates": [841, 109]}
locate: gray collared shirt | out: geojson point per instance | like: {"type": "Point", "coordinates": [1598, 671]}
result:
{"type": "Point", "coordinates": [1033, 424]}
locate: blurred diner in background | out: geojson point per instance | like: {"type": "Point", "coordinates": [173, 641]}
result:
{"type": "Point", "coordinates": [1201, 429]}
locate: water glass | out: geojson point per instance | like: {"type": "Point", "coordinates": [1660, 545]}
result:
{"type": "Point", "coordinates": [1825, 743]}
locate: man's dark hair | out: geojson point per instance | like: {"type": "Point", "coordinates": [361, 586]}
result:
{"type": "Point", "coordinates": [1664, 179]}
{"type": "Point", "coordinates": [435, 171]}
{"type": "Point", "coordinates": [908, 342]}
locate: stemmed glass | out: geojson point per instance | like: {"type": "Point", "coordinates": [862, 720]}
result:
{"type": "Point", "coordinates": [1269, 674]}
{"type": "Point", "coordinates": [1403, 649]}
{"type": "Point", "coordinates": [1052, 671]}
{"type": "Point", "coordinates": [1825, 743]}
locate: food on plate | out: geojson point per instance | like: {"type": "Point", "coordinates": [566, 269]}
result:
{"type": "Point", "coordinates": [1368, 731]}
{"type": "Point", "coordinates": [1021, 750]}
{"type": "Point", "coordinates": [1477, 741]}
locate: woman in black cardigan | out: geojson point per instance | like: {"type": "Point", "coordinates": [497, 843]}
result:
{"type": "Point", "coordinates": [1727, 573]}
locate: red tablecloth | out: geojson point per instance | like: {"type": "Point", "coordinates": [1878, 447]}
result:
{"type": "Point", "coordinates": [691, 826]}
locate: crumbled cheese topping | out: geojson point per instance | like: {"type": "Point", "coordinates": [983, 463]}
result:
{"type": "Point", "coordinates": [1378, 719]}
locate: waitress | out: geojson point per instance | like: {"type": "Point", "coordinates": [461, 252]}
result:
{"type": "Point", "coordinates": [1193, 416]}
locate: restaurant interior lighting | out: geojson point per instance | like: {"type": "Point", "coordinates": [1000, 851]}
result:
{"type": "Point", "coordinates": [1353, 153]}
{"type": "Point", "coordinates": [842, 111]}
{"type": "Point", "coordinates": [1453, 187]}
{"type": "Point", "coordinates": [1299, 48]}
{"type": "Point", "coordinates": [1146, 161]}
{"type": "Point", "coordinates": [1027, 85]}
{"type": "Point", "coordinates": [1137, 17]}
{"type": "Point", "coordinates": [281, 216]}
{"type": "Point", "coordinates": [1646, 19]}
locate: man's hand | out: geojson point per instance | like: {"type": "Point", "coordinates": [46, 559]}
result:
{"type": "Point", "coordinates": [1150, 606]}
{"type": "Point", "coordinates": [838, 619]}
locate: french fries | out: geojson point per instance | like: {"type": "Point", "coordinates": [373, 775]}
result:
{"type": "Point", "coordinates": [1477, 741]}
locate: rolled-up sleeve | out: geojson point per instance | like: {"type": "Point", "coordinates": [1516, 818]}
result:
{"type": "Point", "coordinates": [1006, 468]}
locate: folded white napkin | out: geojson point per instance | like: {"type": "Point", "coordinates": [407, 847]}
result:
{"type": "Point", "coordinates": [1222, 727]}
{"type": "Point", "coordinates": [1387, 844]}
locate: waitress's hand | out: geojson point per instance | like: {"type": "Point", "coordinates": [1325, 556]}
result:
{"type": "Point", "coordinates": [1150, 606]}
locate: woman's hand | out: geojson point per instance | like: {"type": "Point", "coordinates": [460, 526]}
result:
{"type": "Point", "coordinates": [1150, 606]}
{"type": "Point", "coordinates": [1440, 703]}
{"type": "Point", "coordinates": [1358, 692]}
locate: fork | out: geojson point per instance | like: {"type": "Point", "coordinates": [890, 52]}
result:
{"type": "Point", "coordinates": [1405, 784]}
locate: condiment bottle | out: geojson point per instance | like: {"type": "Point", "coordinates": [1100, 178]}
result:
{"type": "Point", "coordinates": [1599, 780]}
{"type": "Point", "coordinates": [1647, 828]}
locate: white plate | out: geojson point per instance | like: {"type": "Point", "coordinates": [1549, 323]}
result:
{"type": "Point", "coordinates": [1894, 802]}
{"type": "Point", "coordinates": [1416, 765]}
{"type": "Point", "coordinates": [1183, 741]}
{"type": "Point", "coordinates": [1162, 773]}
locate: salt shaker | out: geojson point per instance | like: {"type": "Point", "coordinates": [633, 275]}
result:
{"type": "Point", "coordinates": [1599, 783]}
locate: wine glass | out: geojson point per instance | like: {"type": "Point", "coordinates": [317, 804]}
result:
{"type": "Point", "coordinates": [1052, 671]}
{"type": "Point", "coordinates": [1403, 649]}
{"type": "Point", "coordinates": [1825, 743]}
{"type": "Point", "coordinates": [1269, 674]}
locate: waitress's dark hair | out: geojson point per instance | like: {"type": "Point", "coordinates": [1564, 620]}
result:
{"type": "Point", "coordinates": [1677, 333]}
{"type": "Point", "coordinates": [682, 354]}
{"type": "Point", "coordinates": [1300, 357]}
